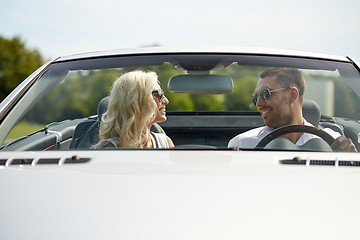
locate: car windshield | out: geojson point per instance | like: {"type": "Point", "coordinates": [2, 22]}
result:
{"type": "Point", "coordinates": [72, 89]}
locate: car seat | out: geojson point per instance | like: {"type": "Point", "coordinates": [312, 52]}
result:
{"type": "Point", "coordinates": [312, 114]}
{"type": "Point", "coordinates": [91, 135]}
{"type": "Point", "coordinates": [79, 132]}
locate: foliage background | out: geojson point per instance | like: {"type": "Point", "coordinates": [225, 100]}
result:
{"type": "Point", "coordinates": [16, 63]}
{"type": "Point", "coordinates": [79, 94]}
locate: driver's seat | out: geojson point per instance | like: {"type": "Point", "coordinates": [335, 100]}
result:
{"type": "Point", "coordinates": [311, 112]}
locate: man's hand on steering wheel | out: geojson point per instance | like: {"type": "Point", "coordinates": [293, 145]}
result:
{"type": "Point", "coordinates": [340, 144]}
{"type": "Point", "coordinates": [343, 144]}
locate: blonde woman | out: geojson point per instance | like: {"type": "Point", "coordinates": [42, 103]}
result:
{"type": "Point", "coordinates": [136, 102]}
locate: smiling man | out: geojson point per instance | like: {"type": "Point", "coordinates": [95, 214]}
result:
{"type": "Point", "coordinates": [279, 97]}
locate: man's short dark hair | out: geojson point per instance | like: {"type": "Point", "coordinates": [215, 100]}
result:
{"type": "Point", "coordinates": [287, 77]}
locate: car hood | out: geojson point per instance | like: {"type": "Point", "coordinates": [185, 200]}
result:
{"type": "Point", "coordinates": [179, 195]}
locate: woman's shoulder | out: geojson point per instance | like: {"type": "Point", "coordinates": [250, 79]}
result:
{"type": "Point", "coordinates": [159, 134]}
{"type": "Point", "coordinates": [107, 143]}
{"type": "Point", "coordinates": [161, 139]}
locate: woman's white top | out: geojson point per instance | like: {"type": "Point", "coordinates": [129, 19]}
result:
{"type": "Point", "coordinates": [159, 140]}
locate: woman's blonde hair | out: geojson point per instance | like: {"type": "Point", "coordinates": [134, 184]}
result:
{"type": "Point", "coordinates": [131, 110]}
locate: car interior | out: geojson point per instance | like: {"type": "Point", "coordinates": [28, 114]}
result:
{"type": "Point", "coordinates": [195, 129]}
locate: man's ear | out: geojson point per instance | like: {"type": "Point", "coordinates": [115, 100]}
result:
{"type": "Point", "coordinates": [294, 94]}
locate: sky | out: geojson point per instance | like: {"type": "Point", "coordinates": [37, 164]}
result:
{"type": "Point", "coordinates": [62, 27]}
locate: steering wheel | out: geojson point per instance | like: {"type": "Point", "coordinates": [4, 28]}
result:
{"type": "Point", "coordinates": [292, 129]}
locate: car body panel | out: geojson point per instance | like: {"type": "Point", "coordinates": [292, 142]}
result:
{"type": "Point", "coordinates": [181, 194]}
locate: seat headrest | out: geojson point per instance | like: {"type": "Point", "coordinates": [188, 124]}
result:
{"type": "Point", "coordinates": [102, 107]}
{"type": "Point", "coordinates": [311, 112]}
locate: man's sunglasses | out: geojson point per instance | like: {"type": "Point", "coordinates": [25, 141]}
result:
{"type": "Point", "coordinates": [158, 93]}
{"type": "Point", "coordinates": [265, 94]}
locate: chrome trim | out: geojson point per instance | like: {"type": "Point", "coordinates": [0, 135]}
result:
{"type": "Point", "coordinates": [35, 161]}
{"type": "Point", "coordinates": [9, 161]}
{"type": "Point", "coordinates": [355, 62]}
{"type": "Point", "coordinates": [308, 161]}
{"type": "Point", "coordinates": [62, 161]}
{"type": "Point", "coordinates": [57, 134]}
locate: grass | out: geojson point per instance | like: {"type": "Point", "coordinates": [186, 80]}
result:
{"type": "Point", "coordinates": [23, 129]}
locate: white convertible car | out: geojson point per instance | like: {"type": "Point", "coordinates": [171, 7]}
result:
{"type": "Point", "coordinates": [53, 186]}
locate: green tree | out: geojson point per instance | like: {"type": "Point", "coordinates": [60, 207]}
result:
{"type": "Point", "coordinates": [245, 80]}
{"type": "Point", "coordinates": [178, 102]}
{"type": "Point", "coordinates": [241, 97]}
{"type": "Point", "coordinates": [77, 96]}
{"type": "Point", "coordinates": [16, 63]}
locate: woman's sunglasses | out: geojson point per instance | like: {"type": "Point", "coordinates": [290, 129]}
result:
{"type": "Point", "coordinates": [265, 94]}
{"type": "Point", "coordinates": [158, 93]}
